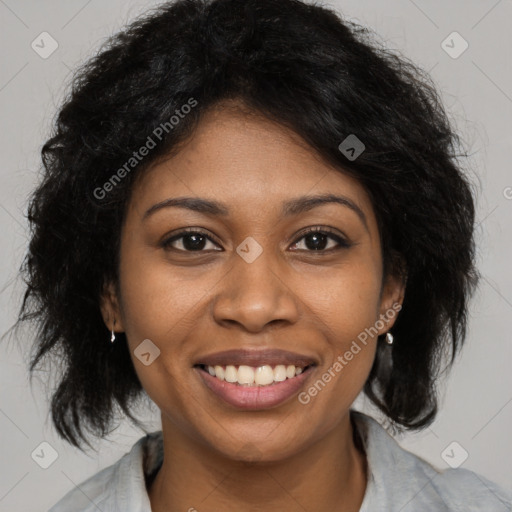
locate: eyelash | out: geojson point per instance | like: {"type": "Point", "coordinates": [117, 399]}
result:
{"type": "Point", "coordinates": [342, 243]}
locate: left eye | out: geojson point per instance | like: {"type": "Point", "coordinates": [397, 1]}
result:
{"type": "Point", "coordinates": [317, 240]}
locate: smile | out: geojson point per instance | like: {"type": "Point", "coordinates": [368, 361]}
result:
{"type": "Point", "coordinates": [249, 387]}
{"type": "Point", "coordinates": [264, 375]}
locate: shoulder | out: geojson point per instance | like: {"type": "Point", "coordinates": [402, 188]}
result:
{"type": "Point", "coordinates": [120, 486]}
{"type": "Point", "coordinates": [469, 491]}
{"type": "Point", "coordinates": [400, 480]}
{"type": "Point", "coordinates": [92, 494]}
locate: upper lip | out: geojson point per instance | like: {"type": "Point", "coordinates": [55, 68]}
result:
{"type": "Point", "coordinates": [255, 357]}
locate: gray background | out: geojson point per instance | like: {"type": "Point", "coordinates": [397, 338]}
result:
{"type": "Point", "coordinates": [476, 406]}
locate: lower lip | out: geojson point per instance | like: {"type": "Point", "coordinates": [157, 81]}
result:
{"type": "Point", "coordinates": [254, 397]}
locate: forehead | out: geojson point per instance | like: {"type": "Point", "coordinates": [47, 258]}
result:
{"type": "Point", "coordinates": [248, 162]}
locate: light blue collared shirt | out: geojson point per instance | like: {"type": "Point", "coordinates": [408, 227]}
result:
{"type": "Point", "coordinates": [398, 481]}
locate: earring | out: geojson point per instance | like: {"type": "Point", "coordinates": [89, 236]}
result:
{"type": "Point", "coordinates": [389, 338]}
{"type": "Point", "coordinates": [113, 336]}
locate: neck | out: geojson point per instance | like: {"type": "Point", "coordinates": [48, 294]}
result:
{"type": "Point", "coordinates": [327, 475]}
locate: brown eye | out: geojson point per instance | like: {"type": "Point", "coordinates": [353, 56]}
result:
{"type": "Point", "coordinates": [316, 239]}
{"type": "Point", "coordinates": [189, 240]}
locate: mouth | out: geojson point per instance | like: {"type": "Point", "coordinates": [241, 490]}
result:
{"type": "Point", "coordinates": [254, 388]}
{"type": "Point", "coordinates": [244, 375]}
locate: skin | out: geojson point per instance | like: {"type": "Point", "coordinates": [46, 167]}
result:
{"type": "Point", "coordinates": [291, 457]}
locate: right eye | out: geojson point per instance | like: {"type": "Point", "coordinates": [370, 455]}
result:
{"type": "Point", "coordinates": [190, 240]}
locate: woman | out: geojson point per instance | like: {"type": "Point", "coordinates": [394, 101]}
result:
{"type": "Point", "coordinates": [251, 213]}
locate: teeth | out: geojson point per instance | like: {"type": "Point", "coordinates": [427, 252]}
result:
{"type": "Point", "coordinates": [231, 374]}
{"type": "Point", "coordinates": [280, 373]}
{"type": "Point", "coordinates": [264, 375]}
{"type": "Point", "coordinates": [219, 372]}
{"type": "Point", "coordinates": [249, 376]}
{"type": "Point", "coordinates": [246, 375]}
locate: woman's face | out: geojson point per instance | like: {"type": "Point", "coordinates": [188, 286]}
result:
{"type": "Point", "coordinates": [251, 280]}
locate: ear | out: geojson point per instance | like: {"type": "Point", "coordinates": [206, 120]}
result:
{"type": "Point", "coordinates": [392, 298]}
{"type": "Point", "coordinates": [110, 310]}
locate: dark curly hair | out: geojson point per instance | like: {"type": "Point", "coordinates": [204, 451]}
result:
{"type": "Point", "coordinates": [304, 67]}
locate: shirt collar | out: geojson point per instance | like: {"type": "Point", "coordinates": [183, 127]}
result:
{"type": "Point", "coordinates": [134, 471]}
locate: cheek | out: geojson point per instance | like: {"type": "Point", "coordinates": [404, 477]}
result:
{"type": "Point", "coordinates": [159, 301]}
{"type": "Point", "coordinates": [345, 308]}
{"type": "Point", "coordinates": [159, 307]}
{"type": "Point", "coordinates": [162, 304]}
{"type": "Point", "coordinates": [344, 301]}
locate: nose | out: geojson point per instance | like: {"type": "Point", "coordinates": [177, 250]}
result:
{"type": "Point", "coordinates": [254, 295]}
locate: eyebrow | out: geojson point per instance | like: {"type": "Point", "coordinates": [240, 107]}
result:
{"type": "Point", "coordinates": [289, 208]}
